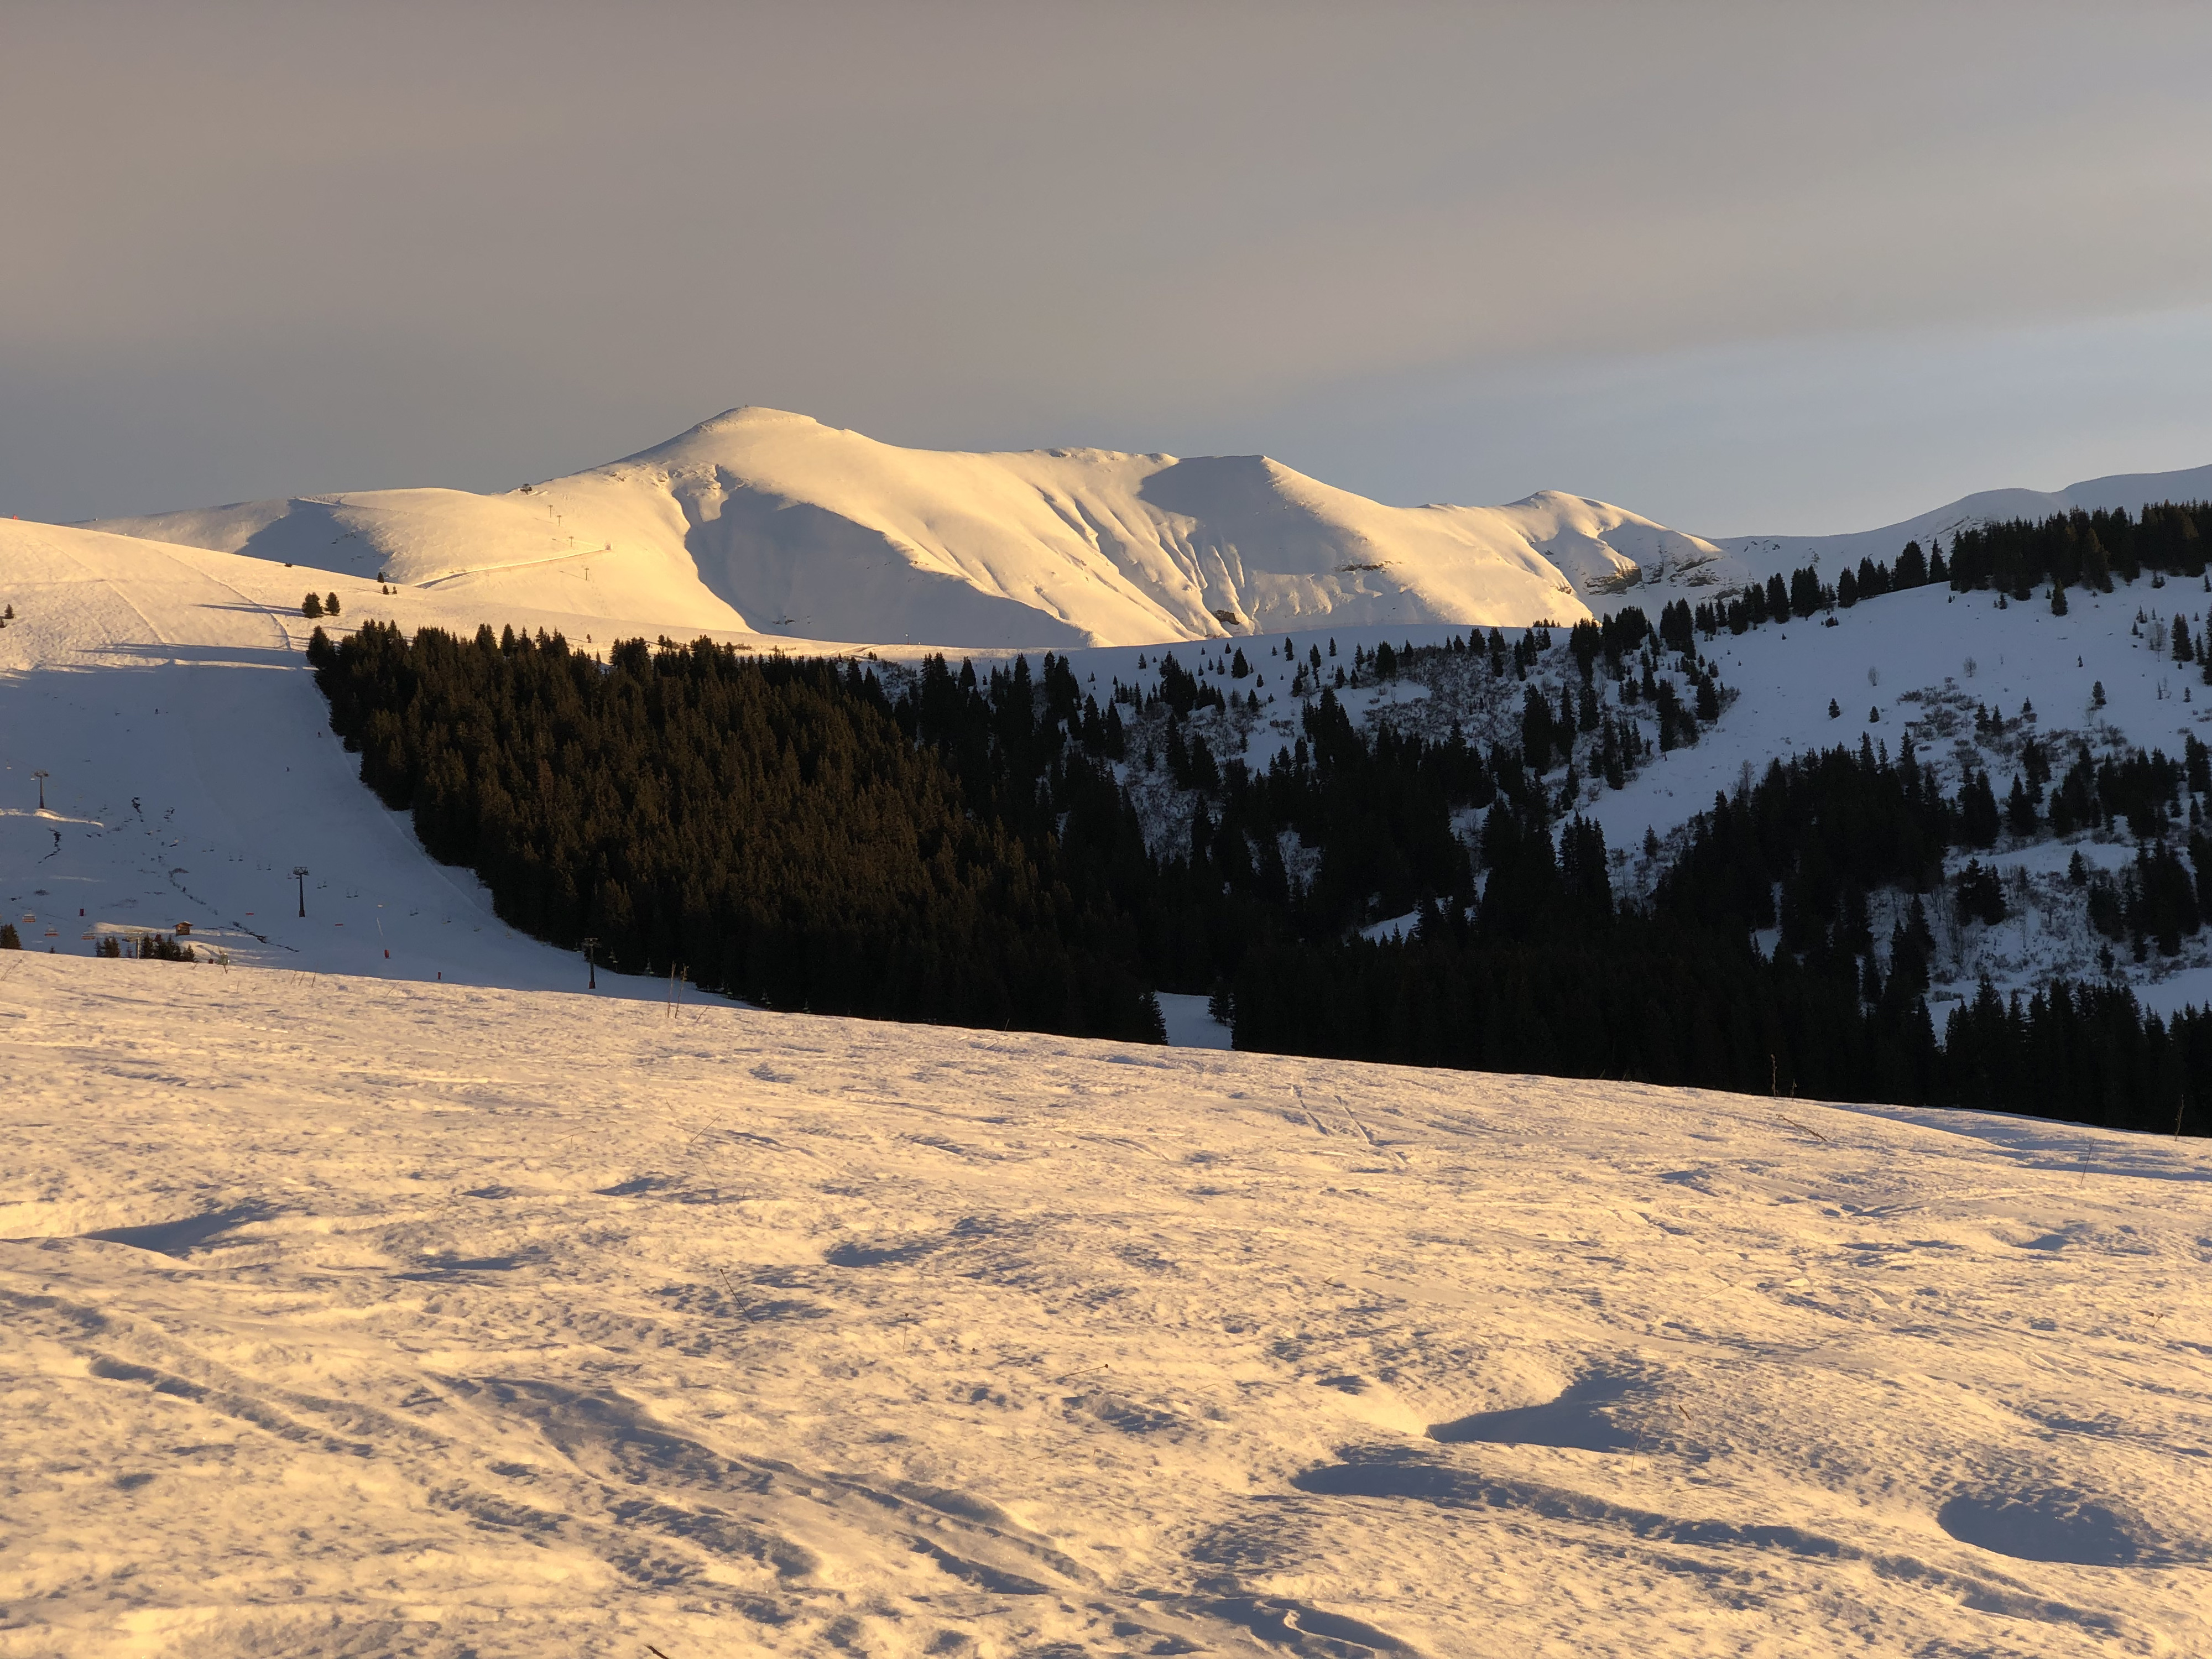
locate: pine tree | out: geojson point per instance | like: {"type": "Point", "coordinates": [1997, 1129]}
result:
{"type": "Point", "coordinates": [311, 606]}
{"type": "Point", "coordinates": [1977, 811]}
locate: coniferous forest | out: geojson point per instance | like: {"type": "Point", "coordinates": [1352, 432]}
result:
{"type": "Point", "coordinates": [958, 849]}
{"type": "Point", "coordinates": [765, 827]}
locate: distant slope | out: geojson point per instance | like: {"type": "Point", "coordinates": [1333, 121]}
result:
{"type": "Point", "coordinates": [2130, 490]}
{"type": "Point", "coordinates": [1616, 558]}
{"type": "Point", "coordinates": [771, 521]}
{"type": "Point", "coordinates": [499, 552]}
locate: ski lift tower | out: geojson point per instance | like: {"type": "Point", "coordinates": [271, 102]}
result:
{"type": "Point", "coordinates": [299, 874]}
{"type": "Point", "coordinates": [590, 967]}
{"type": "Point", "coordinates": [42, 777]}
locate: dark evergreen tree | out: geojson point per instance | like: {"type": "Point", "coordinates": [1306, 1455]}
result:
{"type": "Point", "coordinates": [1978, 821]}
{"type": "Point", "coordinates": [791, 831]}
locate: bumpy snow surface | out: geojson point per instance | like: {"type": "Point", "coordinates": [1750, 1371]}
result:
{"type": "Point", "coordinates": [347, 1316]}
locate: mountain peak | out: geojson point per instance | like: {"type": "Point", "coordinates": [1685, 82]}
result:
{"type": "Point", "coordinates": [714, 435]}
{"type": "Point", "coordinates": [752, 415]}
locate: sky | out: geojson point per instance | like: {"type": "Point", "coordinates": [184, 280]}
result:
{"type": "Point", "coordinates": [1763, 268]}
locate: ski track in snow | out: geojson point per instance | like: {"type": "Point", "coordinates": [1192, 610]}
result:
{"type": "Point", "coordinates": [349, 1316]}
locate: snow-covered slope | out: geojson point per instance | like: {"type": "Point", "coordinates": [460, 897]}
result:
{"type": "Point", "coordinates": [1615, 557]}
{"type": "Point", "coordinates": [626, 562]}
{"type": "Point", "coordinates": [2133, 491]}
{"type": "Point", "coordinates": [1917, 666]}
{"type": "Point", "coordinates": [349, 1317]}
{"type": "Point", "coordinates": [772, 521]}
{"type": "Point", "coordinates": [192, 767]}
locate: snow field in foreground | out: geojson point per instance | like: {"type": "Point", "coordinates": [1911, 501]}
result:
{"type": "Point", "coordinates": [351, 1315]}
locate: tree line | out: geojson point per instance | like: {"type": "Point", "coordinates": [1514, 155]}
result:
{"type": "Point", "coordinates": [1549, 973]}
{"type": "Point", "coordinates": [2076, 549]}
{"type": "Point", "coordinates": [962, 850]}
{"type": "Point", "coordinates": [763, 826]}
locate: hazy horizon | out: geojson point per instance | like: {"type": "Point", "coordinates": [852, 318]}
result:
{"type": "Point", "coordinates": [1739, 269]}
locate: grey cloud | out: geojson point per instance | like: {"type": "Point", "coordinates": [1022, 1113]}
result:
{"type": "Point", "coordinates": [462, 245]}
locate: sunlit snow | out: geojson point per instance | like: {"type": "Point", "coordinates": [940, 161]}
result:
{"type": "Point", "coordinates": [356, 1316]}
{"type": "Point", "coordinates": [423, 1302]}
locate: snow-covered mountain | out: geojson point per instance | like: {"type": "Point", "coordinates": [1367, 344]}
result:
{"type": "Point", "coordinates": [192, 767]}
{"type": "Point", "coordinates": [771, 523]}
{"type": "Point", "coordinates": [764, 522]}
{"type": "Point", "coordinates": [1615, 557]}
{"type": "Point", "coordinates": [774, 523]}
{"type": "Point", "coordinates": [939, 1341]}
{"type": "Point", "coordinates": [2131, 491]}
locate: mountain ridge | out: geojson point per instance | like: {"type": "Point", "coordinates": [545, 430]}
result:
{"type": "Point", "coordinates": [2132, 491]}
{"type": "Point", "coordinates": [770, 521]}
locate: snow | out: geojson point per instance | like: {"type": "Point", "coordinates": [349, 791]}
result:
{"type": "Point", "coordinates": [352, 1315]}
{"type": "Point", "coordinates": [171, 676]}
{"type": "Point", "coordinates": [1393, 928]}
{"type": "Point", "coordinates": [1190, 1022]}
{"type": "Point", "coordinates": [1616, 558]}
{"type": "Point", "coordinates": [193, 769]}
{"type": "Point", "coordinates": [1924, 659]}
{"type": "Point", "coordinates": [383, 1290]}
{"type": "Point", "coordinates": [770, 521]}
{"type": "Point", "coordinates": [2128, 491]}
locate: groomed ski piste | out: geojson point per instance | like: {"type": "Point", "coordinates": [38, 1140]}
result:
{"type": "Point", "coordinates": [428, 1304]}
